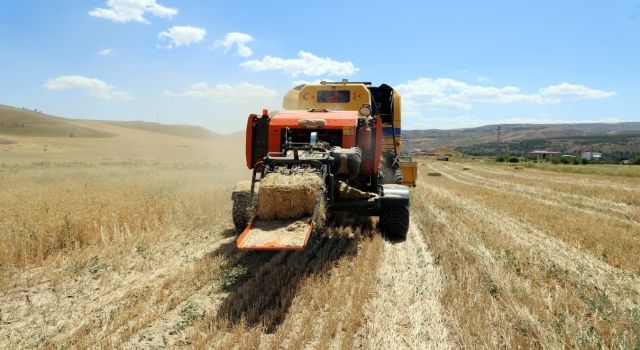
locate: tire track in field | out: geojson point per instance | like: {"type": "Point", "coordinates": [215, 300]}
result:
{"type": "Point", "coordinates": [619, 281]}
{"type": "Point", "coordinates": [586, 205]}
{"type": "Point", "coordinates": [308, 299]}
{"type": "Point", "coordinates": [405, 312]}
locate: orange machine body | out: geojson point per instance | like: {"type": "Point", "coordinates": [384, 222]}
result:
{"type": "Point", "coordinates": [343, 122]}
{"type": "Point", "coordinates": [266, 135]}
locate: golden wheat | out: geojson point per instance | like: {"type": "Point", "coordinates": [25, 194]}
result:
{"type": "Point", "coordinates": [142, 255]}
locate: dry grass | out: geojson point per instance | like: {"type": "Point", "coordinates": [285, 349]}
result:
{"type": "Point", "coordinates": [47, 211]}
{"type": "Point", "coordinates": [141, 254]}
{"type": "Point", "coordinates": [102, 251]}
{"type": "Point", "coordinates": [589, 169]}
{"type": "Point", "coordinates": [510, 282]}
{"type": "Point", "coordinates": [587, 223]}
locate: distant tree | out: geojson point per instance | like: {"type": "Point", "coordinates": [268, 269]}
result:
{"type": "Point", "coordinates": [637, 160]}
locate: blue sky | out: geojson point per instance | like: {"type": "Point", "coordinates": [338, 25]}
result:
{"type": "Point", "coordinates": [456, 63]}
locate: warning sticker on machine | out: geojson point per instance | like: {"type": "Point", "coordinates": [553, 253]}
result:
{"type": "Point", "coordinates": [347, 130]}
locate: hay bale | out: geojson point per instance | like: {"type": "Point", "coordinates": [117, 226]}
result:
{"type": "Point", "coordinates": [434, 174]}
{"type": "Point", "coordinates": [285, 197]}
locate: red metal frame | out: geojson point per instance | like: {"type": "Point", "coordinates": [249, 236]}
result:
{"type": "Point", "coordinates": [378, 154]}
{"type": "Point", "coordinates": [340, 120]}
{"type": "Point", "coordinates": [249, 142]}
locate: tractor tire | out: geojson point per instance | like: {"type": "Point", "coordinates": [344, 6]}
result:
{"type": "Point", "coordinates": [394, 223]}
{"type": "Point", "coordinates": [398, 177]}
{"type": "Point", "coordinates": [242, 210]}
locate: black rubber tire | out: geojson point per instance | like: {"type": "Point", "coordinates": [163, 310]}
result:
{"type": "Point", "coordinates": [394, 223]}
{"type": "Point", "coordinates": [399, 177]}
{"type": "Point", "coordinates": [241, 210]}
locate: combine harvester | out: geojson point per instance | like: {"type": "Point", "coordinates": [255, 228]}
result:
{"type": "Point", "coordinates": [335, 148]}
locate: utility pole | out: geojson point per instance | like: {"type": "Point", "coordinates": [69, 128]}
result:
{"type": "Point", "coordinates": [500, 150]}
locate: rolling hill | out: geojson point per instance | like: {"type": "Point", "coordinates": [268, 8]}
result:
{"type": "Point", "coordinates": [22, 129]}
{"type": "Point", "coordinates": [27, 136]}
{"type": "Point", "coordinates": [616, 139]}
{"type": "Point", "coordinates": [190, 131]}
{"type": "Point", "coordinates": [25, 122]}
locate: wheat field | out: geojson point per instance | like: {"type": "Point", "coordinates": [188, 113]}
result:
{"type": "Point", "coordinates": [141, 254]}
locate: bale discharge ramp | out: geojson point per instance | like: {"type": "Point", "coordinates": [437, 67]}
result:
{"type": "Point", "coordinates": [286, 212]}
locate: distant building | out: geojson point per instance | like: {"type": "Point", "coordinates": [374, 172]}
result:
{"type": "Point", "coordinates": [591, 155]}
{"type": "Point", "coordinates": [540, 154]}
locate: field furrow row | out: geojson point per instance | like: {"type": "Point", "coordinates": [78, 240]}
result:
{"type": "Point", "coordinates": [530, 288]}
{"type": "Point", "coordinates": [589, 205]}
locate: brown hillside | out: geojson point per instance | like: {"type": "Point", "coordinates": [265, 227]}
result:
{"type": "Point", "coordinates": [24, 122]}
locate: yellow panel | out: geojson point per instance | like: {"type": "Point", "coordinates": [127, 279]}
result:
{"type": "Point", "coordinates": [409, 171]}
{"type": "Point", "coordinates": [305, 98]}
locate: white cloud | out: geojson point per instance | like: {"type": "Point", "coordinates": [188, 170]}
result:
{"type": "Point", "coordinates": [239, 39]}
{"type": "Point", "coordinates": [105, 52]}
{"type": "Point", "coordinates": [444, 92]}
{"type": "Point", "coordinates": [132, 10]}
{"type": "Point", "coordinates": [94, 87]}
{"type": "Point", "coordinates": [483, 79]}
{"type": "Point", "coordinates": [566, 91]}
{"type": "Point", "coordinates": [306, 63]}
{"type": "Point", "coordinates": [226, 93]}
{"type": "Point", "coordinates": [183, 35]}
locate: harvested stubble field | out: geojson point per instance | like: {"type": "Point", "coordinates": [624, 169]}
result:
{"type": "Point", "coordinates": [142, 255]}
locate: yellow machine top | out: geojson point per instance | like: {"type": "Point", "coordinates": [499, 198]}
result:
{"type": "Point", "coordinates": [332, 96]}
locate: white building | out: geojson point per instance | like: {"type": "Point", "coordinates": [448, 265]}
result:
{"type": "Point", "coordinates": [591, 155]}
